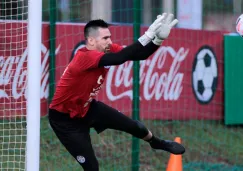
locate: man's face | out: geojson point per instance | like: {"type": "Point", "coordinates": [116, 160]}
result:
{"type": "Point", "coordinates": [103, 41]}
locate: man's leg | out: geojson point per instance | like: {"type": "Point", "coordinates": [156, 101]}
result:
{"type": "Point", "coordinates": [76, 140]}
{"type": "Point", "coordinates": [109, 117]}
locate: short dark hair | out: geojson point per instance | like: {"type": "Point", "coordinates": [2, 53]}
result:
{"type": "Point", "coordinates": [94, 24]}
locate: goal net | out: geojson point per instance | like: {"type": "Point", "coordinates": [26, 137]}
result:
{"type": "Point", "coordinates": [13, 74]}
{"type": "Point", "coordinates": [16, 45]}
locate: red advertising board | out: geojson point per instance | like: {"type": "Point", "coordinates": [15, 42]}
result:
{"type": "Point", "coordinates": [183, 79]}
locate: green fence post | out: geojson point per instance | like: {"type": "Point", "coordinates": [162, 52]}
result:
{"type": "Point", "coordinates": [135, 105]}
{"type": "Point", "coordinates": [233, 83]}
{"type": "Point", "coordinates": [52, 48]}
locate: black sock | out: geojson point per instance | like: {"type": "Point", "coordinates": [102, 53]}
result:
{"type": "Point", "coordinates": [156, 142]}
{"type": "Point", "coordinates": [152, 139]}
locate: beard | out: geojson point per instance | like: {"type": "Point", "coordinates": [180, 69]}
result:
{"type": "Point", "coordinates": [107, 49]}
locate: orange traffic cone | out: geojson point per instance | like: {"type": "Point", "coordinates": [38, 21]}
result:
{"type": "Point", "coordinates": [175, 161]}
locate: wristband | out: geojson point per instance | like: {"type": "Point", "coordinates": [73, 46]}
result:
{"type": "Point", "coordinates": [144, 40]}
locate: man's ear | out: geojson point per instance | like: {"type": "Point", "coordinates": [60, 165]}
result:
{"type": "Point", "coordinates": [91, 41]}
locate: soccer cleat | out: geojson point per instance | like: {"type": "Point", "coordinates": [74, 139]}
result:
{"type": "Point", "coordinates": [167, 145]}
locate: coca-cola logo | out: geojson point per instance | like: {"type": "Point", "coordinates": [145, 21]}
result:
{"type": "Point", "coordinates": [13, 74]}
{"type": "Point", "coordinates": [156, 82]}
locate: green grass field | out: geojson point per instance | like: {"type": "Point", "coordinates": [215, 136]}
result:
{"type": "Point", "coordinates": [209, 146]}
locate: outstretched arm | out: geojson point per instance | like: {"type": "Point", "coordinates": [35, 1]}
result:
{"type": "Point", "coordinates": [135, 52]}
{"type": "Point", "coordinates": [146, 44]}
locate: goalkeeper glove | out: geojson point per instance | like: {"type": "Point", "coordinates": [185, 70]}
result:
{"type": "Point", "coordinates": [164, 31]}
{"type": "Point", "coordinates": [150, 33]}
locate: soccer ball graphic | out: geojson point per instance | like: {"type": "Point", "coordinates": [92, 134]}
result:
{"type": "Point", "coordinates": [239, 25]}
{"type": "Point", "coordinates": [204, 75]}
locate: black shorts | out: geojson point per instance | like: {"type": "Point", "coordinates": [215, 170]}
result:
{"type": "Point", "coordinates": [74, 132]}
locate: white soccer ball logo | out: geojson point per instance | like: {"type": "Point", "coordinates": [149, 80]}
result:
{"type": "Point", "coordinates": [239, 25]}
{"type": "Point", "coordinates": [204, 75]}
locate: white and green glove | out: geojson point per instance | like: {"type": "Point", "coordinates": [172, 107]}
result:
{"type": "Point", "coordinates": [150, 33]}
{"type": "Point", "coordinates": [163, 31]}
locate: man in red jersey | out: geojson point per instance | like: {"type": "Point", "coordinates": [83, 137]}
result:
{"type": "Point", "coordinates": [74, 110]}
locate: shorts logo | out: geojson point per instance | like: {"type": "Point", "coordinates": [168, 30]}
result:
{"type": "Point", "coordinates": [80, 159]}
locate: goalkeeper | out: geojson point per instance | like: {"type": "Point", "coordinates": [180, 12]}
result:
{"type": "Point", "coordinates": [74, 110]}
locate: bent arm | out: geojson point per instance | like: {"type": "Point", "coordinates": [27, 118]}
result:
{"type": "Point", "coordinates": [133, 52]}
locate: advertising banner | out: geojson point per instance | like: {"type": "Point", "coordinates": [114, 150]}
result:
{"type": "Point", "coordinates": [183, 79]}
